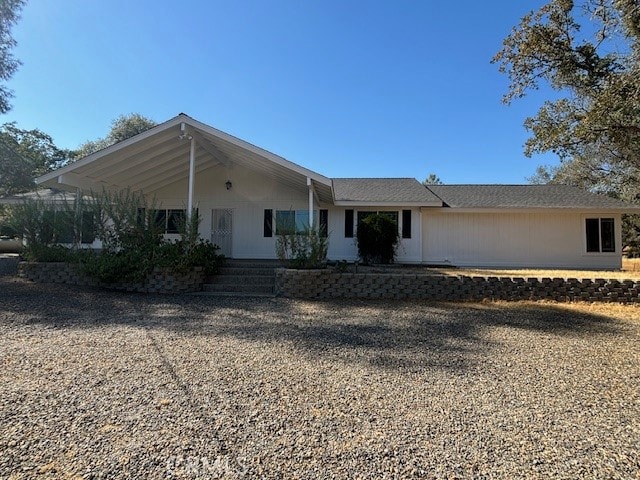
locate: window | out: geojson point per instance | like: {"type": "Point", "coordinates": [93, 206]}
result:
{"type": "Point", "coordinates": [392, 215]}
{"type": "Point", "coordinates": [293, 221]}
{"type": "Point", "coordinates": [600, 235]}
{"type": "Point", "coordinates": [175, 220]}
{"type": "Point", "coordinates": [66, 227]}
{"type": "Point", "coordinates": [167, 220]}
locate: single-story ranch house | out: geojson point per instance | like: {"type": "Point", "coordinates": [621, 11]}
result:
{"type": "Point", "coordinates": [243, 192]}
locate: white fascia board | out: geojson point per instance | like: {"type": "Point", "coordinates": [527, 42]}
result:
{"type": "Point", "coordinates": [345, 203]}
{"type": "Point", "coordinates": [594, 210]}
{"type": "Point", "coordinates": [278, 160]}
{"type": "Point", "coordinates": [113, 148]}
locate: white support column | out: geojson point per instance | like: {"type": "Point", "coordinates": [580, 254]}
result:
{"type": "Point", "coordinates": [192, 172]}
{"type": "Point", "coordinates": [310, 185]}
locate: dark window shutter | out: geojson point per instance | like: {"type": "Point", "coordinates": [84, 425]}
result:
{"type": "Point", "coordinates": [324, 222]}
{"type": "Point", "coordinates": [348, 224]}
{"type": "Point", "coordinates": [406, 223]}
{"type": "Point", "coordinates": [268, 223]}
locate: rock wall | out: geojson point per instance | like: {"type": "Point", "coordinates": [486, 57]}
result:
{"type": "Point", "coordinates": [319, 284]}
{"type": "Point", "coordinates": [158, 281]}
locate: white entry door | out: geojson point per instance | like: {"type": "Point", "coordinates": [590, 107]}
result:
{"type": "Point", "coordinates": [221, 229]}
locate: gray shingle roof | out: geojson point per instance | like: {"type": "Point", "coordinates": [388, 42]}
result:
{"type": "Point", "coordinates": [383, 190]}
{"type": "Point", "coordinates": [524, 196]}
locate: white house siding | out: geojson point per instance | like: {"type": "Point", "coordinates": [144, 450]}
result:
{"type": "Point", "coordinates": [249, 196]}
{"type": "Point", "coordinates": [341, 248]}
{"type": "Point", "coordinates": [546, 240]}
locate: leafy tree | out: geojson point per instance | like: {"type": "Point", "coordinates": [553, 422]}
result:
{"type": "Point", "coordinates": [589, 53]}
{"type": "Point", "coordinates": [9, 15]}
{"type": "Point", "coordinates": [26, 154]}
{"type": "Point", "coordinates": [432, 179]}
{"type": "Point", "coordinates": [123, 127]}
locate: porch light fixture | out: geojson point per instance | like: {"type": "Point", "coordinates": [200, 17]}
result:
{"type": "Point", "coordinates": [228, 184]}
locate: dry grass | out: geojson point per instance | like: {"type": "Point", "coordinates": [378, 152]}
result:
{"type": "Point", "coordinates": [631, 264]}
{"type": "Point", "coordinates": [630, 271]}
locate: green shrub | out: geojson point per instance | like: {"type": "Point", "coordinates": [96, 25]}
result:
{"type": "Point", "coordinates": [133, 244]}
{"type": "Point", "coordinates": [306, 249]}
{"type": "Point", "coordinates": [377, 238]}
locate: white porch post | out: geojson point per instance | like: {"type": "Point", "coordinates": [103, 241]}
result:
{"type": "Point", "coordinates": [310, 185]}
{"type": "Point", "coordinates": [192, 170]}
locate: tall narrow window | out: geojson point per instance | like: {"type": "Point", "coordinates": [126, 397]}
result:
{"type": "Point", "coordinates": [601, 236]}
{"type": "Point", "coordinates": [348, 223]}
{"type": "Point", "coordinates": [268, 223]}
{"type": "Point", "coordinates": [406, 223]}
{"type": "Point", "coordinates": [607, 234]}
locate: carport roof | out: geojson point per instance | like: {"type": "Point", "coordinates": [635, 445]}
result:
{"type": "Point", "coordinates": [159, 157]}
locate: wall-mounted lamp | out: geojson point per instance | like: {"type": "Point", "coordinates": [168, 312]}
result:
{"type": "Point", "coordinates": [228, 184]}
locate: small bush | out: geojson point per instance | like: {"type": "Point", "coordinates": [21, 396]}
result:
{"type": "Point", "coordinates": [377, 238]}
{"type": "Point", "coordinates": [306, 249]}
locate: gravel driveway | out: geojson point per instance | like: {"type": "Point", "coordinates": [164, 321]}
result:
{"type": "Point", "coordinates": [109, 385]}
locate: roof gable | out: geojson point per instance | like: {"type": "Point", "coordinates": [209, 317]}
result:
{"type": "Point", "coordinates": [160, 156]}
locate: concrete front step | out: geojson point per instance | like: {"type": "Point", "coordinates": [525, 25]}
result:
{"type": "Point", "coordinates": [243, 279]}
{"type": "Point", "coordinates": [247, 271]}
{"type": "Point", "coordinates": [237, 288]}
{"type": "Point", "coordinates": [252, 263]}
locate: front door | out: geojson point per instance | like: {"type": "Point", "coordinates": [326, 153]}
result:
{"type": "Point", "coordinates": [221, 229]}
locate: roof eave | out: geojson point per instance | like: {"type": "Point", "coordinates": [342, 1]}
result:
{"type": "Point", "coordinates": [355, 203]}
{"type": "Point", "coordinates": [532, 209]}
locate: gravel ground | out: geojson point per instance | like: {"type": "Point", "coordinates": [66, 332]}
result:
{"type": "Point", "coordinates": [98, 384]}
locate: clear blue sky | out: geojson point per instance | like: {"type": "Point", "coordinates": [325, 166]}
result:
{"type": "Point", "coordinates": [345, 88]}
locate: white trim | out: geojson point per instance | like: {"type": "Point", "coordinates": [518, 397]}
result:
{"type": "Point", "coordinates": [355, 204]}
{"type": "Point", "coordinates": [192, 174]}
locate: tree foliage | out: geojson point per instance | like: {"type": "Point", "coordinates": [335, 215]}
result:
{"type": "Point", "coordinates": [122, 128]}
{"type": "Point", "coordinates": [9, 16]}
{"type": "Point", "coordinates": [26, 154]}
{"type": "Point", "coordinates": [432, 179]}
{"type": "Point", "coordinates": [589, 53]}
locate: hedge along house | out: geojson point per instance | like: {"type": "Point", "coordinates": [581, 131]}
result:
{"type": "Point", "coordinates": [244, 194]}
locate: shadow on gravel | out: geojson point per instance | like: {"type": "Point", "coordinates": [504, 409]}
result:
{"type": "Point", "coordinates": [390, 335]}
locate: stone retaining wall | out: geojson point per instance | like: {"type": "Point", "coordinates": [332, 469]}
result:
{"type": "Point", "coordinates": [9, 264]}
{"type": "Point", "coordinates": [158, 281]}
{"type": "Point", "coordinates": [319, 284]}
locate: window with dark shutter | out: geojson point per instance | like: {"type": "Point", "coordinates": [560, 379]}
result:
{"type": "Point", "coordinates": [348, 224]}
{"type": "Point", "coordinates": [406, 223]}
{"type": "Point", "coordinates": [268, 223]}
